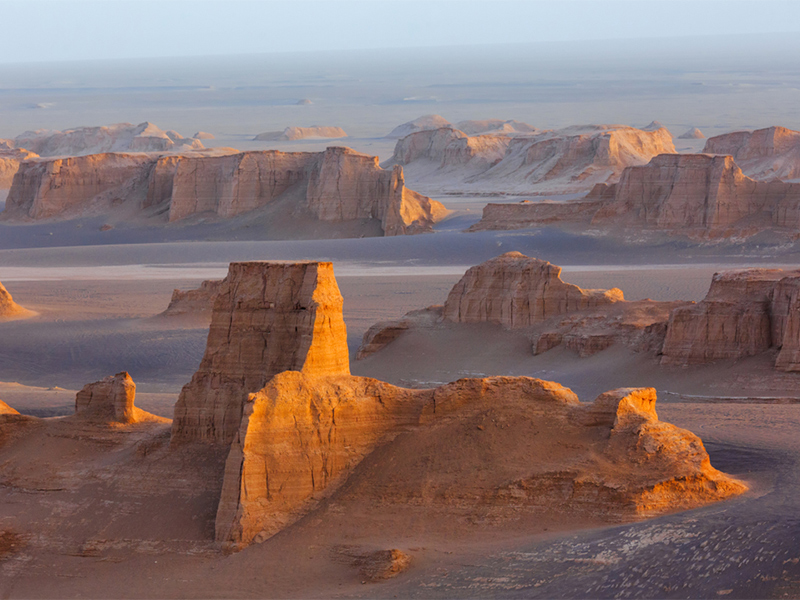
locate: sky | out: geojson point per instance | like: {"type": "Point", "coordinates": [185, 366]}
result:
{"type": "Point", "coordinates": [66, 30]}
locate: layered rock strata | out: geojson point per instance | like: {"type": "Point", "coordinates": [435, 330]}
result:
{"type": "Point", "coordinates": [336, 185]}
{"type": "Point", "coordinates": [517, 291]}
{"type": "Point", "coordinates": [744, 314]}
{"type": "Point", "coordinates": [111, 400]}
{"type": "Point", "coordinates": [694, 194]}
{"type": "Point", "coordinates": [302, 436]}
{"type": "Point", "coordinates": [570, 160]}
{"type": "Point", "coordinates": [267, 318]}
{"type": "Point", "coordinates": [763, 153]}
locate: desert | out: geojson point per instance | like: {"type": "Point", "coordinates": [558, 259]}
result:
{"type": "Point", "coordinates": [427, 307]}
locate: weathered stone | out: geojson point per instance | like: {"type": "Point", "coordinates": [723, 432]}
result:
{"type": "Point", "coordinates": [517, 291]}
{"type": "Point", "coordinates": [111, 400]}
{"type": "Point", "coordinates": [267, 318]}
{"type": "Point", "coordinates": [762, 154]}
{"type": "Point", "coordinates": [10, 309]}
{"type": "Point", "coordinates": [301, 133]}
{"type": "Point", "coordinates": [422, 123]}
{"type": "Point", "coordinates": [196, 302]}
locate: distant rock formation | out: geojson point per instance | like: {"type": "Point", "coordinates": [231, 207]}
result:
{"type": "Point", "coordinates": [302, 436]}
{"type": "Point", "coordinates": [422, 123]}
{"type": "Point", "coordinates": [336, 185]}
{"type": "Point", "coordinates": [197, 302]}
{"type": "Point", "coordinates": [203, 135]}
{"type": "Point", "coordinates": [653, 126]}
{"type": "Point", "coordinates": [10, 309]}
{"type": "Point", "coordinates": [744, 313]}
{"type": "Point", "coordinates": [122, 137]}
{"type": "Point", "coordinates": [494, 126]}
{"type": "Point", "coordinates": [692, 134]}
{"type": "Point", "coordinates": [692, 194]}
{"type": "Point", "coordinates": [111, 400]}
{"type": "Point", "coordinates": [762, 154]}
{"type": "Point", "coordinates": [517, 291]}
{"type": "Point", "coordinates": [570, 160]}
{"type": "Point", "coordinates": [302, 133]}
{"type": "Point", "coordinates": [10, 158]}
{"type": "Point", "coordinates": [267, 318]}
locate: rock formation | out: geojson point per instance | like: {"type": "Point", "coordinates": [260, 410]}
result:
{"type": "Point", "coordinates": [10, 309]}
{"type": "Point", "coordinates": [762, 154]}
{"type": "Point", "coordinates": [5, 409]}
{"type": "Point", "coordinates": [569, 160]}
{"type": "Point", "coordinates": [203, 135]}
{"type": "Point", "coordinates": [517, 291]}
{"type": "Point", "coordinates": [692, 194]}
{"type": "Point", "coordinates": [267, 318]}
{"type": "Point", "coordinates": [494, 126]}
{"type": "Point", "coordinates": [419, 124]}
{"type": "Point", "coordinates": [301, 133]}
{"type": "Point", "coordinates": [692, 134]}
{"type": "Point", "coordinates": [336, 185]}
{"type": "Point", "coordinates": [302, 436]}
{"type": "Point", "coordinates": [111, 400]}
{"type": "Point", "coordinates": [122, 137]}
{"type": "Point", "coordinates": [196, 302]}
{"type": "Point", "coordinates": [744, 313]}
{"type": "Point", "coordinates": [10, 158]}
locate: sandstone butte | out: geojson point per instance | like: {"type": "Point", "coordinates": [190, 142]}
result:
{"type": "Point", "coordinates": [569, 160]}
{"type": "Point", "coordinates": [10, 158]}
{"type": "Point", "coordinates": [422, 123]}
{"type": "Point", "coordinates": [693, 194]}
{"type": "Point", "coordinates": [10, 309]}
{"type": "Point", "coordinates": [302, 436]}
{"type": "Point", "coordinates": [111, 401]}
{"type": "Point", "coordinates": [744, 313]}
{"type": "Point", "coordinates": [528, 294]}
{"type": "Point", "coordinates": [494, 126]}
{"type": "Point", "coordinates": [122, 137]}
{"type": "Point", "coordinates": [267, 318]}
{"type": "Point", "coordinates": [302, 133]}
{"type": "Point", "coordinates": [763, 153]}
{"type": "Point", "coordinates": [336, 185]}
{"type": "Point", "coordinates": [196, 302]}
{"type": "Point", "coordinates": [692, 134]}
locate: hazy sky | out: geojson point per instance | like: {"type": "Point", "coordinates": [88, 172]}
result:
{"type": "Point", "coordinates": [47, 30]}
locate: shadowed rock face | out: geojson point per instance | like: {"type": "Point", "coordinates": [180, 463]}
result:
{"type": "Point", "coordinates": [267, 318]}
{"type": "Point", "coordinates": [743, 314]}
{"type": "Point", "coordinates": [196, 302]}
{"type": "Point", "coordinates": [302, 436]}
{"type": "Point", "coordinates": [517, 291]}
{"type": "Point", "coordinates": [762, 154]}
{"type": "Point", "coordinates": [111, 400]}
{"type": "Point", "coordinates": [336, 185]}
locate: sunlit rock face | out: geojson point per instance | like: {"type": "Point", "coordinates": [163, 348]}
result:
{"type": "Point", "coordinates": [10, 309]}
{"type": "Point", "coordinates": [337, 185]}
{"type": "Point", "coordinates": [744, 313]}
{"type": "Point", "coordinates": [762, 154]}
{"type": "Point", "coordinates": [111, 400]}
{"type": "Point", "coordinates": [517, 291]}
{"type": "Point", "coordinates": [509, 443]}
{"type": "Point", "coordinates": [267, 318]}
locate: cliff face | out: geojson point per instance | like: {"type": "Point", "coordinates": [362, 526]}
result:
{"type": "Point", "coordinates": [570, 160]}
{"type": "Point", "coordinates": [517, 291]}
{"type": "Point", "coordinates": [196, 302]}
{"type": "Point", "coordinates": [111, 400]}
{"type": "Point", "coordinates": [302, 436]}
{"type": "Point", "coordinates": [336, 185]}
{"type": "Point", "coordinates": [762, 154]}
{"type": "Point", "coordinates": [267, 318]}
{"type": "Point", "coordinates": [743, 314]}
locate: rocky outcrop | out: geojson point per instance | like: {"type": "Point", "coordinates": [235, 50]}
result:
{"type": "Point", "coordinates": [10, 158]}
{"type": "Point", "coordinates": [495, 126]}
{"type": "Point", "coordinates": [517, 291]}
{"type": "Point", "coordinates": [692, 134]}
{"type": "Point", "coordinates": [197, 302]}
{"type": "Point", "coordinates": [744, 313]}
{"type": "Point", "coordinates": [763, 153]}
{"type": "Point", "coordinates": [267, 318]}
{"type": "Point", "coordinates": [302, 436]}
{"type": "Point", "coordinates": [419, 124]}
{"type": "Point", "coordinates": [203, 135]}
{"type": "Point", "coordinates": [525, 214]}
{"type": "Point", "coordinates": [336, 185]}
{"type": "Point", "coordinates": [569, 160]}
{"type": "Point", "coordinates": [122, 137]}
{"type": "Point", "coordinates": [111, 400]}
{"type": "Point", "coordinates": [383, 333]}
{"type": "Point", "coordinates": [10, 309]}
{"type": "Point", "coordinates": [302, 133]}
